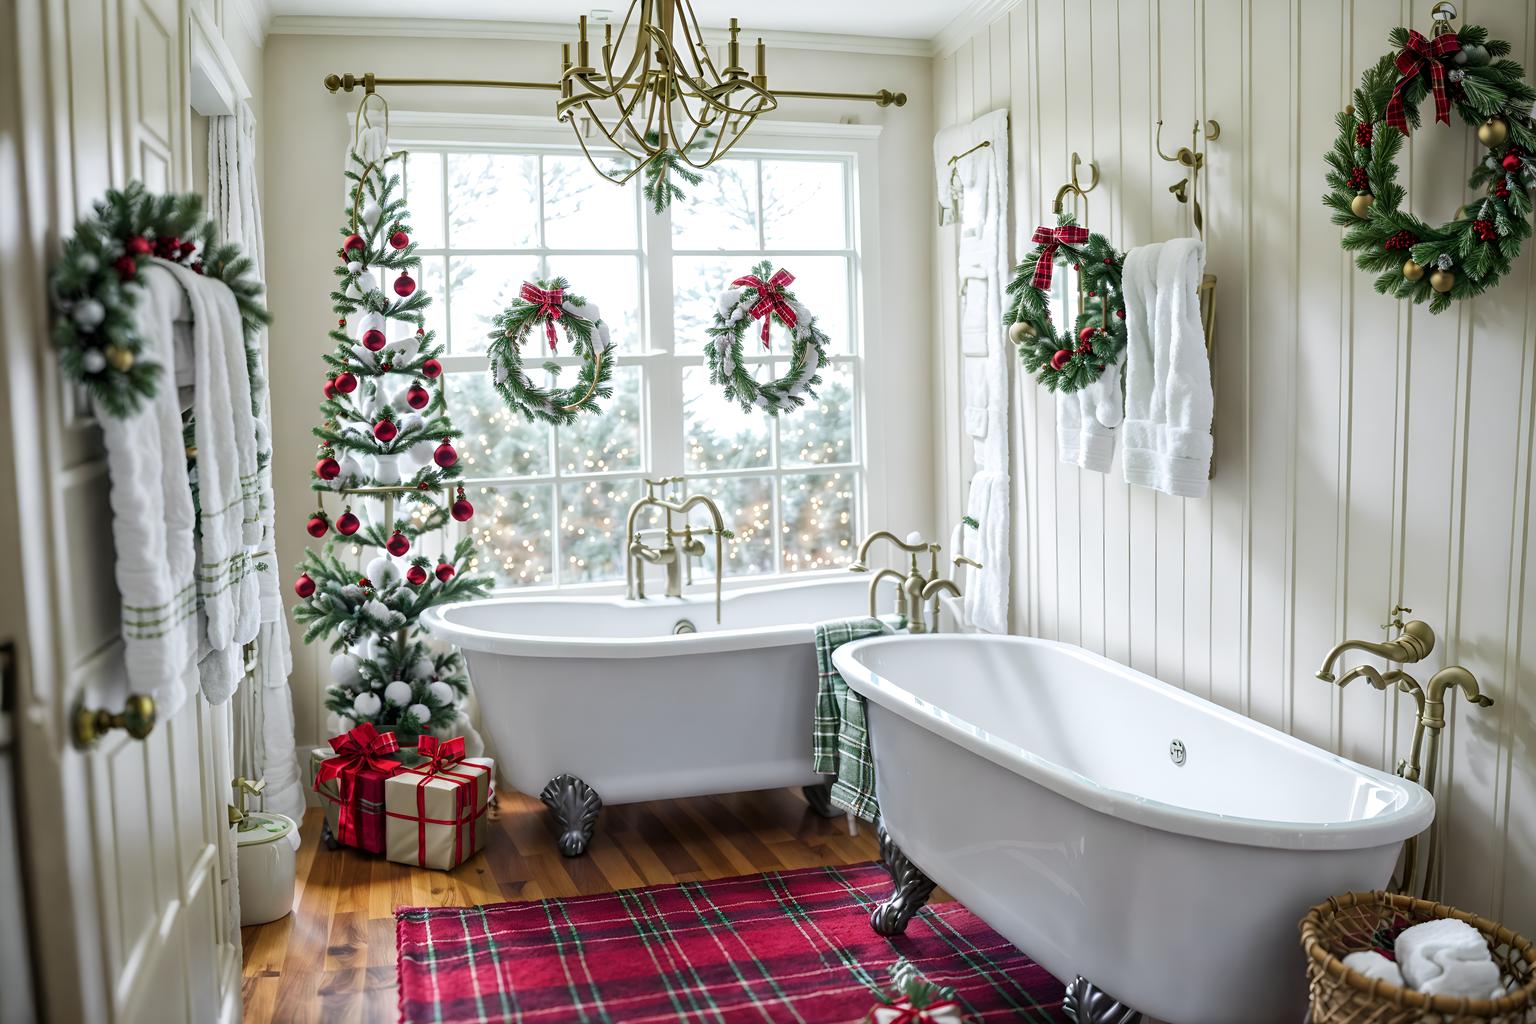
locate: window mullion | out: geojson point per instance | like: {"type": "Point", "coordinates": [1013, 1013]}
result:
{"type": "Point", "coordinates": [663, 379]}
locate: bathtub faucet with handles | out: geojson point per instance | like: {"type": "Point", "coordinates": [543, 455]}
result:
{"type": "Point", "coordinates": [915, 592]}
{"type": "Point", "coordinates": [672, 554]}
{"type": "Point", "coordinates": [1414, 641]}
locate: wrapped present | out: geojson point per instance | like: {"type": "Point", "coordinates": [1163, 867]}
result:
{"type": "Point", "coordinates": [435, 813]}
{"type": "Point", "coordinates": [915, 1000]}
{"type": "Point", "coordinates": [351, 781]}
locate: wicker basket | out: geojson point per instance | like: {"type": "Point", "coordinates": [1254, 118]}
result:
{"type": "Point", "coordinates": [1372, 920]}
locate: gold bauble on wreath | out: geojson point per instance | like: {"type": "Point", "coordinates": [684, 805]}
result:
{"type": "Point", "coordinates": [1020, 332]}
{"type": "Point", "coordinates": [1412, 271]}
{"type": "Point", "coordinates": [119, 358]}
{"type": "Point", "coordinates": [1493, 132]}
{"type": "Point", "coordinates": [1361, 205]}
{"type": "Point", "coordinates": [1442, 281]}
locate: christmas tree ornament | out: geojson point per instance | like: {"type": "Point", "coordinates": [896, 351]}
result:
{"type": "Point", "coordinates": [398, 693]}
{"type": "Point", "coordinates": [346, 672]}
{"type": "Point", "coordinates": [373, 339]}
{"type": "Point", "coordinates": [764, 295]}
{"type": "Point", "coordinates": [119, 357]}
{"type": "Point", "coordinates": [355, 267]}
{"type": "Point", "coordinates": [431, 369]}
{"type": "Point", "coordinates": [346, 382]}
{"type": "Point", "coordinates": [138, 245]}
{"type": "Point", "coordinates": [399, 240]}
{"type": "Point", "coordinates": [419, 713]}
{"type": "Point", "coordinates": [304, 586]}
{"type": "Point", "coordinates": [327, 468]}
{"type": "Point", "coordinates": [347, 524]}
{"type": "Point", "coordinates": [404, 285]}
{"type": "Point", "coordinates": [88, 314]}
{"type": "Point", "coordinates": [462, 510]}
{"type": "Point", "coordinates": [444, 571]}
{"type": "Point", "coordinates": [354, 244]}
{"type": "Point", "coordinates": [1020, 332]}
{"type": "Point", "coordinates": [445, 455]}
{"type": "Point", "coordinates": [385, 430]}
{"type": "Point", "coordinates": [546, 304]}
{"type": "Point", "coordinates": [1060, 360]}
{"type": "Point", "coordinates": [439, 692]}
{"type": "Point", "coordinates": [92, 361]}
{"type": "Point", "coordinates": [416, 575]}
{"type": "Point", "coordinates": [366, 706]}
{"type": "Point", "coordinates": [370, 212]}
{"type": "Point", "coordinates": [417, 397]}
{"type": "Point", "coordinates": [1471, 74]}
{"type": "Point", "coordinates": [329, 387]}
{"type": "Point", "coordinates": [398, 544]}
{"type": "Point", "coordinates": [318, 524]}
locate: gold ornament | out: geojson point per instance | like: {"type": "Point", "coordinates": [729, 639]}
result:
{"type": "Point", "coordinates": [1412, 271]}
{"type": "Point", "coordinates": [1493, 132]}
{"type": "Point", "coordinates": [1442, 281]}
{"type": "Point", "coordinates": [119, 358]}
{"type": "Point", "coordinates": [1020, 332]}
{"type": "Point", "coordinates": [1361, 205]}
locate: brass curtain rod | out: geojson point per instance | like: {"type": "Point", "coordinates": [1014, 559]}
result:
{"type": "Point", "coordinates": [368, 81]}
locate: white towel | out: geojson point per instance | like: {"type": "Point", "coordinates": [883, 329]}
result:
{"type": "Point", "coordinates": [1086, 420]}
{"type": "Point", "coordinates": [152, 516]}
{"type": "Point", "coordinates": [986, 605]}
{"type": "Point", "coordinates": [1373, 965]}
{"type": "Point", "coordinates": [1448, 957]}
{"type": "Point", "coordinates": [1168, 401]}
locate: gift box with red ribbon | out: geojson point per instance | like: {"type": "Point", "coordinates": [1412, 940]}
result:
{"type": "Point", "coordinates": [350, 779]}
{"type": "Point", "coordinates": [435, 814]}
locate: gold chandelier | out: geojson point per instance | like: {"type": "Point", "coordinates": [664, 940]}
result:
{"type": "Point", "coordinates": [658, 92]}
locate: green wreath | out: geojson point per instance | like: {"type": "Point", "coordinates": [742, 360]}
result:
{"type": "Point", "coordinates": [95, 289]}
{"type": "Point", "coordinates": [1466, 257]}
{"type": "Point", "coordinates": [764, 295]}
{"type": "Point", "coordinates": [1068, 361]}
{"type": "Point", "coordinates": [549, 303]}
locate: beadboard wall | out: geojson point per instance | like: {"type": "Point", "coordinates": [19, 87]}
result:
{"type": "Point", "coordinates": [1367, 453]}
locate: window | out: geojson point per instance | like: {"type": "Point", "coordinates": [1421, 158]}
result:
{"type": "Point", "coordinates": [550, 501]}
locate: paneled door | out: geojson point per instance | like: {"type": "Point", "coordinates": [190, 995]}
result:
{"type": "Point", "coordinates": [125, 845]}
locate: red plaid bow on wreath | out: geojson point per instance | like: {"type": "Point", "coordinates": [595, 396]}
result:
{"type": "Point", "coordinates": [549, 303]}
{"type": "Point", "coordinates": [1419, 51]}
{"type": "Point", "coordinates": [770, 299]}
{"type": "Point", "coordinates": [1051, 238]}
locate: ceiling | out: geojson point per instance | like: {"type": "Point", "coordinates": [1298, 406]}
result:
{"type": "Point", "coordinates": [899, 19]}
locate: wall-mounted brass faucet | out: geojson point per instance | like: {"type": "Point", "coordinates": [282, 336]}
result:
{"type": "Point", "coordinates": [917, 595]}
{"type": "Point", "coordinates": [1412, 644]}
{"type": "Point", "coordinates": [675, 556]}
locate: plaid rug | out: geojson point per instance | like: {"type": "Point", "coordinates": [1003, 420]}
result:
{"type": "Point", "coordinates": [778, 947]}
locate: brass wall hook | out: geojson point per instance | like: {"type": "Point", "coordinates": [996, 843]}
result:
{"type": "Point", "coordinates": [1077, 188]}
{"type": "Point", "coordinates": [1191, 157]}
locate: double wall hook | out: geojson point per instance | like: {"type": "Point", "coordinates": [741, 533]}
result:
{"type": "Point", "coordinates": [1076, 187]}
{"type": "Point", "coordinates": [1192, 159]}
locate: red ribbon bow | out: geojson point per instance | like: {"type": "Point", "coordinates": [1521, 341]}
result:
{"type": "Point", "coordinates": [359, 750]}
{"type": "Point", "coordinates": [549, 303]}
{"type": "Point", "coordinates": [1418, 52]}
{"type": "Point", "coordinates": [436, 755]}
{"type": "Point", "coordinates": [909, 1014]}
{"type": "Point", "coordinates": [770, 299]}
{"type": "Point", "coordinates": [1045, 266]}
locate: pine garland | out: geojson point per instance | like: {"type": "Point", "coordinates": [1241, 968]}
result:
{"type": "Point", "coordinates": [1070, 361]}
{"type": "Point", "coordinates": [588, 337]}
{"type": "Point", "coordinates": [1469, 255]}
{"type": "Point", "coordinates": [660, 190]}
{"type": "Point", "coordinates": [808, 346]}
{"type": "Point", "coordinates": [95, 290]}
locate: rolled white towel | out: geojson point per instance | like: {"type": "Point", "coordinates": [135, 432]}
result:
{"type": "Point", "coordinates": [1373, 965]}
{"type": "Point", "coordinates": [1447, 957]}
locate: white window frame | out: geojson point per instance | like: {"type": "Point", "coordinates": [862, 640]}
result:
{"type": "Point", "coordinates": [662, 437]}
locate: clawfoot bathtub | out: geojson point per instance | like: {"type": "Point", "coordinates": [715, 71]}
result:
{"type": "Point", "coordinates": [594, 700]}
{"type": "Point", "coordinates": [1153, 848]}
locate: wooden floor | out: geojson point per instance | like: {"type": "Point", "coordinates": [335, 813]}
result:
{"type": "Point", "coordinates": [333, 958]}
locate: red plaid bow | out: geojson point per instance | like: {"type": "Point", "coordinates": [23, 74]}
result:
{"type": "Point", "coordinates": [362, 748]}
{"type": "Point", "coordinates": [770, 299]}
{"type": "Point", "coordinates": [1418, 52]}
{"type": "Point", "coordinates": [549, 303]}
{"type": "Point", "coordinates": [436, 755]}
{"type": "Point", "coordinates": [1045, 266]}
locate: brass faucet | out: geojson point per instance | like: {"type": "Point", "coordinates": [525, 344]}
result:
{"type": "Point", "coordinates": [676, 557]}
{"type": "Point", "coordinates": [914, 590]}
{"type": "Point", "coordinates": [1414, 641]}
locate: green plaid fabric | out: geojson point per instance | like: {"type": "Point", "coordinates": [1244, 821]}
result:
{"type": "Point", "coordinates": [840, 745]}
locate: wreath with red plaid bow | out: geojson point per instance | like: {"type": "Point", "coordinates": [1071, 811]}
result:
{"type": "Point", "coordinates": [1068, 361]}
{"type": "Point", "coordinates": [548, 304]}
{"type": "Point", "coordinates": [1470, 73]}
{"type": "Point", "coordinates": [764, 295]}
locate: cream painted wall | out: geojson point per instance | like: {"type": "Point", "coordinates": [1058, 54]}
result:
{"type": "Point", "coordinates": [304, 142]}
{"type": "Point", "coordinates": [1367, 453]}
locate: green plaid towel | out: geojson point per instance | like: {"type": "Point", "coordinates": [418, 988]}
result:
{"type": "Point", "coordinates": [840, 745]}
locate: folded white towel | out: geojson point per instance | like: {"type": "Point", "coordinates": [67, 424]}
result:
{"type": "Point", "coordinates": [986, 598]}
{"type": "Point", "coordinates": [1086, 421]}
{"type": "Point", "coordinates": [1373, 965]}
{"type": "Point", "coordinates": [1448, 957]}
{"type": "Point", "coordinates": [1168, 401]}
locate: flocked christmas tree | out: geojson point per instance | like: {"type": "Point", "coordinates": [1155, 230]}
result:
{"type": "Point", "coordinates": [386, 456]}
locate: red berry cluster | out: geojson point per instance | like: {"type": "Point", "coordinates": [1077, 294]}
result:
{"type": "Point", "coordinates": [1402, 240]}
{"type": "Point", "coordinates": [1363, 135]}
{"type": "Point", "coordinates": [1358, 179]}
{"type": "Point", "coordinates": [1485, 230]}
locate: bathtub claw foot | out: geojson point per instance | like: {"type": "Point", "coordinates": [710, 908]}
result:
{"type": "Point", "coordinates": [912, 889]}
{"type": "Point", "coordinates": [1087, 1004]}
{"type": "Point", "coordinates": [819, 797]}
{"type": "Point", "coordinates": [575, 806]}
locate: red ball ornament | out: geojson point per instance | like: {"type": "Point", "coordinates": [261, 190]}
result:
{"type": "Point", "coordinates": [385, 430]}
{"type": "Point", "coordinates": [354, 242]}
{"type": "Point", "coordinates": [404, 285]}
{"type": "Point", "coordinates": [432, 369]}
{"type": "Point", "coordinates": [318, 525]}
{"type": "Point", "coordinates": [187, 249]}
{"type": "Point", "coordinates": [138, 245]}
{"type": "Point", "coordinates": [462, 510]}
{"type": "Point", "coordinates": [329, 388]}
{"type": "Point", "coordinates": [347, 524]}
{"type": "Point", "coordinates": [416, 575]}
{"type": "Point", "coordinates": [304, 586]}
{"type": "Point", "coordinates": [327, 469]}
{"type": "Point", "coordinates": [398, 544]}
{"type": "Point", "coordinates": [346, 383]}
{"type": "Point", "coordinates": [1086, 333]}
{"type": "Point", "coordinates": [1511, 162]}
{"type": "Point", "coordinates": [126, 266]}
{"type": "Point", "coordinates": [399, 240]}
{"type": "Point", "coordinates": [373, 339]}
{"type": "Point", "coordinates": [444, 572]}
{"type": "Point", "coordinates": [1061, 358]}
{"type": "Point", "coordinates": [445, 456]}
{"type": "Point", "coordinates": [417, 397]}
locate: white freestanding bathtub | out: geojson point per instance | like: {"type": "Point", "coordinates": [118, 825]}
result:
{"type": "Point", "coordinates": [1115, 828]}
{"type": "Point", "coordinates": [594, 700]}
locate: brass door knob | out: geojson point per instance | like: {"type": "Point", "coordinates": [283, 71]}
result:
{"type": "Point", "coordinates": [137, 717]}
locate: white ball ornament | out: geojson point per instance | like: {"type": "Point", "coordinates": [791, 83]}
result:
{"type": "Point", "coordinates": [367, 704]}
{"type": "Point", "coordinates": [398, 693]}
{"type": "Point", "coordinates": [92, 361]}
{"type": "Point", "coordinates": [371, 212]}
{"type": "Point", "coordinates": [88, 314]}
{"type": "Point", "coordinates": [440, 692]}
{"type": "Point", "coordinates": [355, 267]}
{"type": "Point", "coordinates": [420, 712]}
{"type": "Point", "coordinates": [422, 669]}
{"type": "Point", "coordinates": [383, 572]}
{"type": "Point", "coordinates": [336, 725]}
{"type": "Point", "coordinates": [345, 672]}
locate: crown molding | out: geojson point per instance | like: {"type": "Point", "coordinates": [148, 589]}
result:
{"type": "Point", "coordinates": [977, 16]}
{"type": "Point", "coordinates": [253, 16]}
{"type": "Point", "coordinates": [549, 32]}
